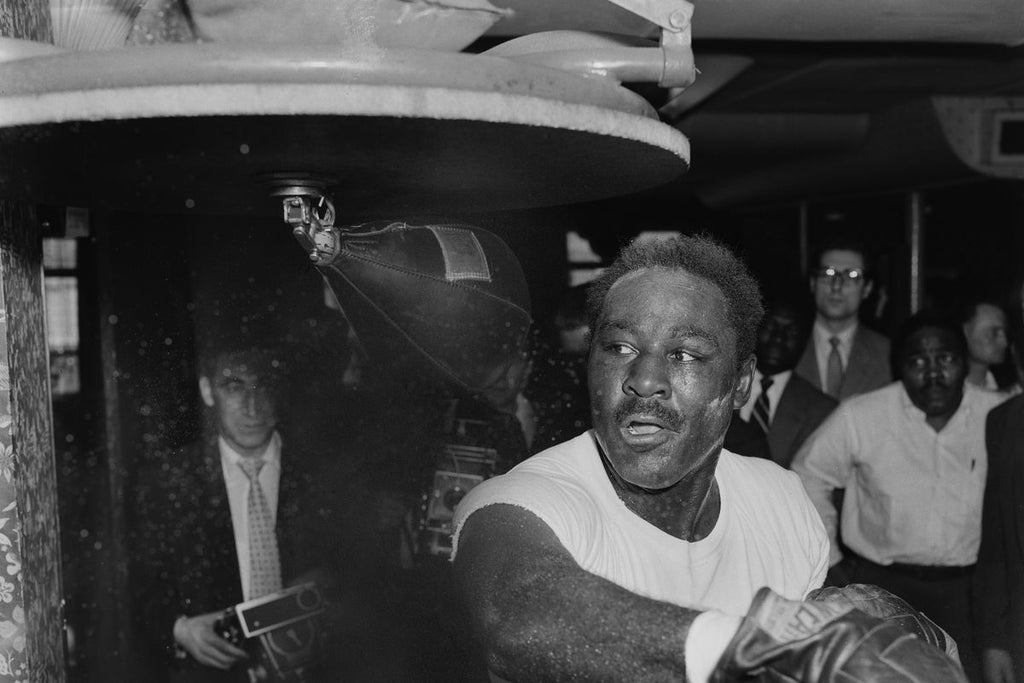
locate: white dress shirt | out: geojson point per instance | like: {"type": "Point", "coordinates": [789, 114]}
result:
{"type": "Point", "coordinates": [823, 347]}
{"type": "Point", "coordinates": [779, 382]}
{"type": "Point", "coordinates": [237, 484]}
{"type": "Point", "coordinates": [913, 495]}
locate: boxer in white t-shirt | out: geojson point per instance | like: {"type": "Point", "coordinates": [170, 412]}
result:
{"type": "Point", "coordinates": [641, 550]}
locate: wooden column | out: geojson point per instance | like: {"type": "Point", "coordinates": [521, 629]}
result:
{"type": "Point", "coordinates": [31, 611]}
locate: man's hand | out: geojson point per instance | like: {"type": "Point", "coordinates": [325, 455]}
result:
{"type": "Point", "coordinates": [828, 642]}
{"type": "Point", "coordinates": [997, 666]}
{"type": "Point", "coordinates": [197, 637]}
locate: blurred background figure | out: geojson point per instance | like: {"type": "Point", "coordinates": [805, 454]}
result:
{"type": "Point", "coordinates": [985, 326]}
{"type": "Point", "coordinates": [844, 357]}
{"type": "Point", "coordinates": [785, 407]}
{"type": "Point", "coordinates": [238, 515]}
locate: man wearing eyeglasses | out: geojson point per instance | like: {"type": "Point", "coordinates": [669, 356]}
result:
{"type": "Point", "coordinates": [844, 357]}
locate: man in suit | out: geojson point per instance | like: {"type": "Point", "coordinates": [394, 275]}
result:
{"type": "Point", "coordinates": [844, 358]}
{"type": "Point", "coordinates": [231, 518]}
{"type": "Point", "coordinates": [783, 405]}
{"type": "Point", "coordinates": [999, 578]}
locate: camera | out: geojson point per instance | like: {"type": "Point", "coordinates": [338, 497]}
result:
{"type": "Point", "coordinates": [459, 468]}
{"type": "Point", "coordinates": [281, 632]}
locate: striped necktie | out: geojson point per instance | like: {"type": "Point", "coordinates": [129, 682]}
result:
{"type": "Point", "coordinates": [264, 559]}
{"type": "Point", "coordinates": [762, 406]}
{"type": "Point", "coordinates": [834, 371]}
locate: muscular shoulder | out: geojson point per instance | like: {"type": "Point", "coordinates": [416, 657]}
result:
{"type": "Point", "coordinates": [773, 500]}
{"type": "Point", "coordinates": [556, 485]}
{"type": "Point", "coordinates": [749, 475]}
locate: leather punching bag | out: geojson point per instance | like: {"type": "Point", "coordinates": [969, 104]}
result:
{"type": "Point", "coordinates": [446, 296]}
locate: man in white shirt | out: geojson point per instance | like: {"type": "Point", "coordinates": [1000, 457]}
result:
{"type": "Point", "coordinates": [228, 519]}
{"type": "Point", "coordinates": [844, 358]}
{"type": "Point", "coordinates": [911, 458]}
{"type": "Point", "coordinates": [633, 551]}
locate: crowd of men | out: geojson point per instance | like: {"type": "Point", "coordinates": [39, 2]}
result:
{"type": "Point", "coordinates": [762, 489]}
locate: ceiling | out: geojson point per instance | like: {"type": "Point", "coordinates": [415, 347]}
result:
{"type": "Point", "coordinates": [799, 99]}
{"type": "Point", "coordinates": [794, 100]}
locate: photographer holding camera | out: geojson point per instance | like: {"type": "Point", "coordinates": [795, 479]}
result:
{"type": "Point", "coordinates": [234, 517]}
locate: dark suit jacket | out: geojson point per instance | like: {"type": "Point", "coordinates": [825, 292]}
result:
{"type": "Point", "coordinates": [184, 557]}
{"type": "Point", "coordinates": [999, 578]}
{"type": "Point", "coordinates": [868, 368]}
{"type": "Point", "coordinates": [744, 438]}
{"type": "Point", "coordinates": [801, 409]}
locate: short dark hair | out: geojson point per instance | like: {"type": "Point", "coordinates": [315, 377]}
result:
{"type": "Point", "coordinates": [844, 241]}
{"type": "Point", "coordinates": [928, 318]}
{"type": "Point", "coordinates": [797, 304]}
{"type": "Point", "coordinates": [700, 256]}
{"type": "Point", "coordinates": [967, 308]}
{"type": "Point", "coordinates": [254, 341]}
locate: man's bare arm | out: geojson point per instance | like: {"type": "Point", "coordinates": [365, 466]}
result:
{"type": "Point", "coordinates": [543, 617]}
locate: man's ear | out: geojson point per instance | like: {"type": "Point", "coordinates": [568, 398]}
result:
{"type": "Point", "coordinates": [206, 391]}
{"type": "Point", "coordinates": [744, 380]}
{"type": "Point", "coordinates": [868, 286]}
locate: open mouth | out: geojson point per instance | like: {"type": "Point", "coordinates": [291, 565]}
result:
{"type": "Point", "coordinates": [643, 425]}
{"type": "Point", "coordinates": [642, 428]}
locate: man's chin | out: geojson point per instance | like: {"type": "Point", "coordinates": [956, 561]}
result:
{"type": "Point", "coordinates": [651, 470]}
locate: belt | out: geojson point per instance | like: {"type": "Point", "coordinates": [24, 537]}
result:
{"type": "Point", "coordinates": [928, 572]}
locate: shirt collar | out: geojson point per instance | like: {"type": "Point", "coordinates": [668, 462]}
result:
{"type": "Point", "coordinates": [778, 379]}
{"type": "Point", "coordinates": [822, 334]}
{"type": "Point", "coordinates": [271, 455]}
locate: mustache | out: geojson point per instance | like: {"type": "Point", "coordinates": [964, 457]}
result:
{"type": "Point", "coordinates": [634, 405]}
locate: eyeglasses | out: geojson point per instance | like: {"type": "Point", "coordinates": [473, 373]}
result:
{"type": "Point", "coordinates": [843, 276]}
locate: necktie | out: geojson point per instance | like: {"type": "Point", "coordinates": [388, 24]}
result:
{"type": "Point", "coordinates": [762, 406]}
{"type": "Point", "coordinates": [264, 560]}
{"type": "Point", "coordinates": [834, 372]}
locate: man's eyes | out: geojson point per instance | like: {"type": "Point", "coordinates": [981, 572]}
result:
{"type": "Point", "coordinates": [624, 349]}
{"type": "Point", "coordinates": [918, 362]}
{"type": "Point", "coordinates": [620, 348]}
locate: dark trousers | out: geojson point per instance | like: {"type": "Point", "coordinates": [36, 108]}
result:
{"type": "Point", "coordinates": [942, 594]}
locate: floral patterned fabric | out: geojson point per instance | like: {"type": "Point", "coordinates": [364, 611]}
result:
{"type": "Point", "coordinates": [13, 660]}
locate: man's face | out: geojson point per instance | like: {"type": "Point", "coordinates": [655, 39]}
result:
{"type": "Point", "coordinates": [780, 340]}
{"type": "Point", "coordinates": [933, 368]}
{"type": "Point", "coordinates": [243, 402]}
{"type": "Point", "coordinates": [986, 335]}
{"type": "Point", "coordinates": [663, 376]}
{"type": "Point", "coordinates": [838, 296]}
{"type": "Point", "coordinates": [504, 393]}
